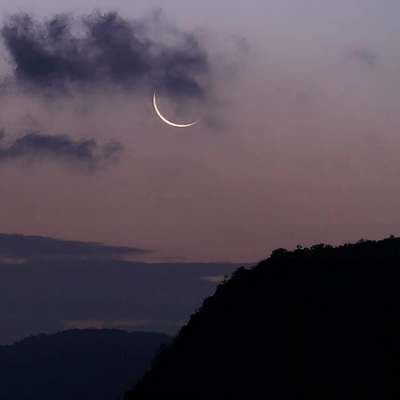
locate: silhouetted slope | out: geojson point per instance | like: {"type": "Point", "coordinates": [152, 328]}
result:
{"type": "Point", "coordinates": [319, 323]}
{"type": "Point", "coordinates": [76, 364]}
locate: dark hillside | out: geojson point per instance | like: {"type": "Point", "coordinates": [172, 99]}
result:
{"type": "Point", "coordinates": [318, 323]}
{"type": "Point", "coordinates": [76, 364]}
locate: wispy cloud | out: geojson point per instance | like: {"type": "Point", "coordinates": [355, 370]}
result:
{"type": "Point", "coordinates": [35, 145]}
{"type": "Point", "coordinates": [364, 55]}
{"type": "Point", "coordinates": [21, 246]}
{"type": "Point", "coordinates": [213, 279]}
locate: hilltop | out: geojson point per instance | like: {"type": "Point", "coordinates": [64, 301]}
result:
{"type": "Point", "coordinates": [319, 323]}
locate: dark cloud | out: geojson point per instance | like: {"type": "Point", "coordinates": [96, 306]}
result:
{"type": "Point", "coordinates": [21, 246]}
{"type": "Point", "coordinates": [47, 295]}
{"type": "Point", "coordinates": [35, 145]}
{"type": "Point", "coordinates": [98, 49]}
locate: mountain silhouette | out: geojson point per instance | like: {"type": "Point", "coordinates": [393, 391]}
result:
{"type": "Point", "coordinates": [85, 364]}
{"type": "Point", "coordinates": [314, 323]}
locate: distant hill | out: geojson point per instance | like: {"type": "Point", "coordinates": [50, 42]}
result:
{"type": "Point", "coordinates": [313, 323]}
{"type": "Point", "coordinates": [87, 364]}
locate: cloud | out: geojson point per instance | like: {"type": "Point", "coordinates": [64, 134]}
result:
{"type": "Point", "coordinates": [128, 323]}
{"type": "Point", "coordinates": [366, 56]}
{"type": "Point", "coordinates": [21, 246]}
{"type": "Point", "coordinates": [213, 279]}
{"type": "Point", "coordinates": [35, 145]}
{"type": "Point", "coordinates": [103, 49]}
{"type": "Point", "coordinates": [99, 324]}
{"type": "Point", "coordinates": [47, 294]}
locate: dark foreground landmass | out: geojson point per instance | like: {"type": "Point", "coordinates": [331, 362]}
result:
{"type": "Point", "coordinates": [87, 364]}
{"type": "Point", "coordinates": [313, 323]}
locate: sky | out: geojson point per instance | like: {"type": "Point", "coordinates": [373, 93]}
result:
{"type": "Point", "coordinates": [297, 143]}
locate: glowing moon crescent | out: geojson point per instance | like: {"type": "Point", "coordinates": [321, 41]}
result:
{"type": "Point", "coordinates": [165, 119]}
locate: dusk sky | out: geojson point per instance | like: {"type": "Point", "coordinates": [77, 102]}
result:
{"type": "Point", "coordinates": [298, 140]}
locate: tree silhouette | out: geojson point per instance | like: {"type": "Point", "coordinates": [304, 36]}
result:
{"type": "Point", "coordinates": [319, 322]}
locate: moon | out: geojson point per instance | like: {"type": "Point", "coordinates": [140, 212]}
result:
{"type": "Point", "coordinates": [165, 119]}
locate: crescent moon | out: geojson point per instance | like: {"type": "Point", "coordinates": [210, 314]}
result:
{"type": "Point", "coordinates": [165, 119]}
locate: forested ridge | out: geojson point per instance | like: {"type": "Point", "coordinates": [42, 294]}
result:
{"type": "Point", "coordinates": [321, 322]}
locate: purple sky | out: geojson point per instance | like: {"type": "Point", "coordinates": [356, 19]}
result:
{"type": "Point", "coordinates": [299, 143]}
{"type": "Point", "coordinates": [299, 140]}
